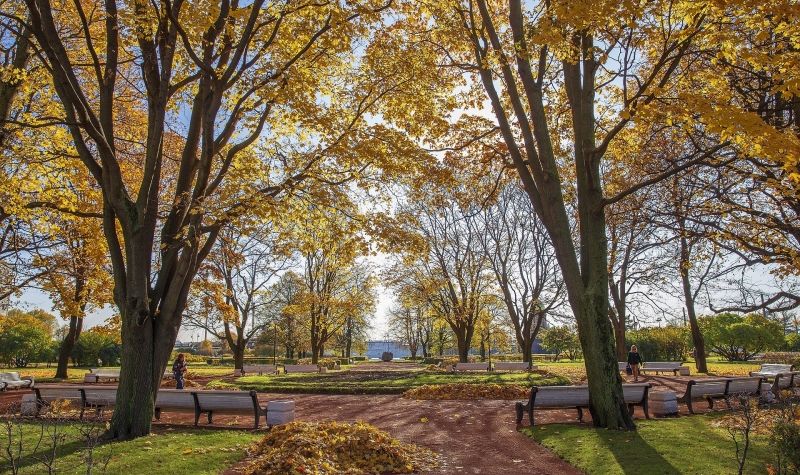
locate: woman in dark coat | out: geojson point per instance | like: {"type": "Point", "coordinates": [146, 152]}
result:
{"type": "Point", "coordinates": [179, 369]}
{"type": "Point", "coordinates": [634, 360]}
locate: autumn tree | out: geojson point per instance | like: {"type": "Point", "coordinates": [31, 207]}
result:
{"type": "Point", "coordinates": [236, 78]}
{"type": "Point", "coordinates": [521, 257]}
{"type": "Point", "coordinates": [546, 68]}
{"type": "Point", "coordinates": [75, 273]}
{"type": "Point", "coordinates": [233, 298]}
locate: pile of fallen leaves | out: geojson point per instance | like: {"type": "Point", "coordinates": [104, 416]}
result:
{"type": "Point", "coordinates": [329, 448]}
{"type": "Point", "coordinates": [468, 391]}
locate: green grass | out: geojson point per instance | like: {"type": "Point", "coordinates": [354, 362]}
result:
{"type": "Point", "coordinates": [686, 445]}
{"type": "Point", "coordinates": [169, 452]}
{"type": "Point", "coordinates": [379, 382]}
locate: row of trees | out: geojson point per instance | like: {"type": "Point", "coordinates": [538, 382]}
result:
{"type": "Point", "coordinates": [166, 124]}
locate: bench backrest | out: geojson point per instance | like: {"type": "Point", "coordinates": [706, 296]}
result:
{"type": "Point", "coordinates": [775, 368]}
{"type": "Point", "coordinates": [259, 368]}
{"type": "Point", "coordinates": [235, 401]}
{"type": "Point", "coordinates": [472, 366]}
{"type": "Point", "coordinates": [301, 368]}
{"type": "Point", "coordinates": [744, 386]}
{"type": "Point", "coordinates": [669, 365]}
{"type": "Point", "coordinates": [511, 365]}
{"type": "Point", "coordinates": [562, 396]}
{"type": "Point", "coordinates": [701, 388]}
{"type": "Point", "coordinates": [635, 393]}
{"type": "Point", "coordinates": [105, 372]}
{"type": "Point", "coordinates": [621, 365]}
{"type": "Point", "coordinates": [174, 398]}
{"type": "Point", "coordinates": [12, 376]}
{"type": "Point", "coordinates": [100, 395]}
{"type": "Point", "coordinates": [55, 393]}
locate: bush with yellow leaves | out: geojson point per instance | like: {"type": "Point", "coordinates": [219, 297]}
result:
{"type": "Point", "coordinates": [329, 448]}
{"type": "Point", "coordinates": [462, 391]}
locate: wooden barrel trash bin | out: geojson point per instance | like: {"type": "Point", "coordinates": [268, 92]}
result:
{"type": "Point", "coordinates": [663, 403]}
{"type": "Point", "coordinates": [280, 412]}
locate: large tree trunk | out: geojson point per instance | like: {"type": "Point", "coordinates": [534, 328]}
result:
{"type": "Point", "coordinates": [688, 296]}
{"type": "Point", "coordinates": [619, 338]}
{"type": "Point", "coordinates": [65, 351]}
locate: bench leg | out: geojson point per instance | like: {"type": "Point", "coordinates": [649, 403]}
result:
{"type": "Point", "coordinates": [196, 416]}
{"type": "Point", "coordinates": [689, 405]}
{"type": "Point", "coordinates": [158, 413]}
{"type": "Point", "coordinates": [710, 403]}
{"type": "Point", "coordinates": [530, 415]}
{"type": "Point", "coordinates": [646, 409]}
{"type": "Point", "coordinates": [519, 408]}
{"type": "Point", "coordinates": [580, 414]}
{"type": "Point", "coordinates": [257, 417]}
{"type": "Point", "coordinates": [210, 413]}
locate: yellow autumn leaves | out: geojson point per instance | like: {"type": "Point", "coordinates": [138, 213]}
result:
{"type": "Point", "coordinates": [332, 448]}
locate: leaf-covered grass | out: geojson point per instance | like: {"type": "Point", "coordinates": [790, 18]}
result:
{"type": "Point", "coordinates": [169, 452]}
{"type": "Point", "coordinates": [576, 372]}
{"type": "Point", "coordinates": [686, 445]}
{"type": "Point", "coordinates": [380, 382]}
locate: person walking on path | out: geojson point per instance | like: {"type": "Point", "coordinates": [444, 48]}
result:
{"type": "Point", "coordinates": [634, 360]}
{"type": "Point", "coordinates": [179, 369]}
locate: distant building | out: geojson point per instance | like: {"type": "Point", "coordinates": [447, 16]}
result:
{"type": "Point", "coordinates": [375, 349]}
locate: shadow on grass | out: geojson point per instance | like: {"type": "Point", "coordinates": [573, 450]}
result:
{"type": "Point", "coordinates": [637, 456]}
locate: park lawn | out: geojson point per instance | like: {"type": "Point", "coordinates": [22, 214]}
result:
{"type": "Point", "coordinates": [379, 382]}
{"type": "Point", "coordinates": [684, 445]}
{"type": "Point", "coordinates": [167, 452]}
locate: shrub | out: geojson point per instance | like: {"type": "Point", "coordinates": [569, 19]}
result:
{"type": "Point", "coordinates": [95, 345]}
{"type": "Point", "coordinates": [739, 337]}
{"type": "Point", "coordinates": [329, 448]}
{"type": "Point", "coordinates": [792, 358]}
{"type": "Point", "coordinates": [659, 343]}
{"type": "Point", "coordinates": [20, 345]}
{"type": "Point", "coordinates": [791, 342]}
{"type": "Point", "coordinates": [562, 341]}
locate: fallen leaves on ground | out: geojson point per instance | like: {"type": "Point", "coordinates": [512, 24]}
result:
{"type": "Point", "coordinates": [462, 391]}
{"type": "Point", "coordinates": [329, 448]}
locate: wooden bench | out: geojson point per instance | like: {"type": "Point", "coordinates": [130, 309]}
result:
{"type": "Point", "coordinates": [719, 388]}
{"type": "Point", "coordinates": [99, 397]}
{"type": "Point", "coordinates": [621, 366]}
{"type": "Point", "coordinates": [559, 397]}
{"type": "Point", "coordinates": [46, 395]}
{"type": "Point", "coordinates": [13, 380]}
{"type": "Point", "coordinates": [259, 369]}
{"type": "Point", "coordinates": [96, 375]}
{"type": "Point", "coordinates": [471, 367]}
{"type": "Point", "coordinates": [300, 368]}
{"type": "Point", "coordinates": [785, 381]}
{"type": "Point", "coordinates": [513, 366]}
{"type": "Point", "coordinates": [227, 402]}
{"type": "Point", "coordinates": [208, 402]}
{"type": "Point", "coordinates": [772, 370]}
{"type": "Point", "coordinates": [673, 367]}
